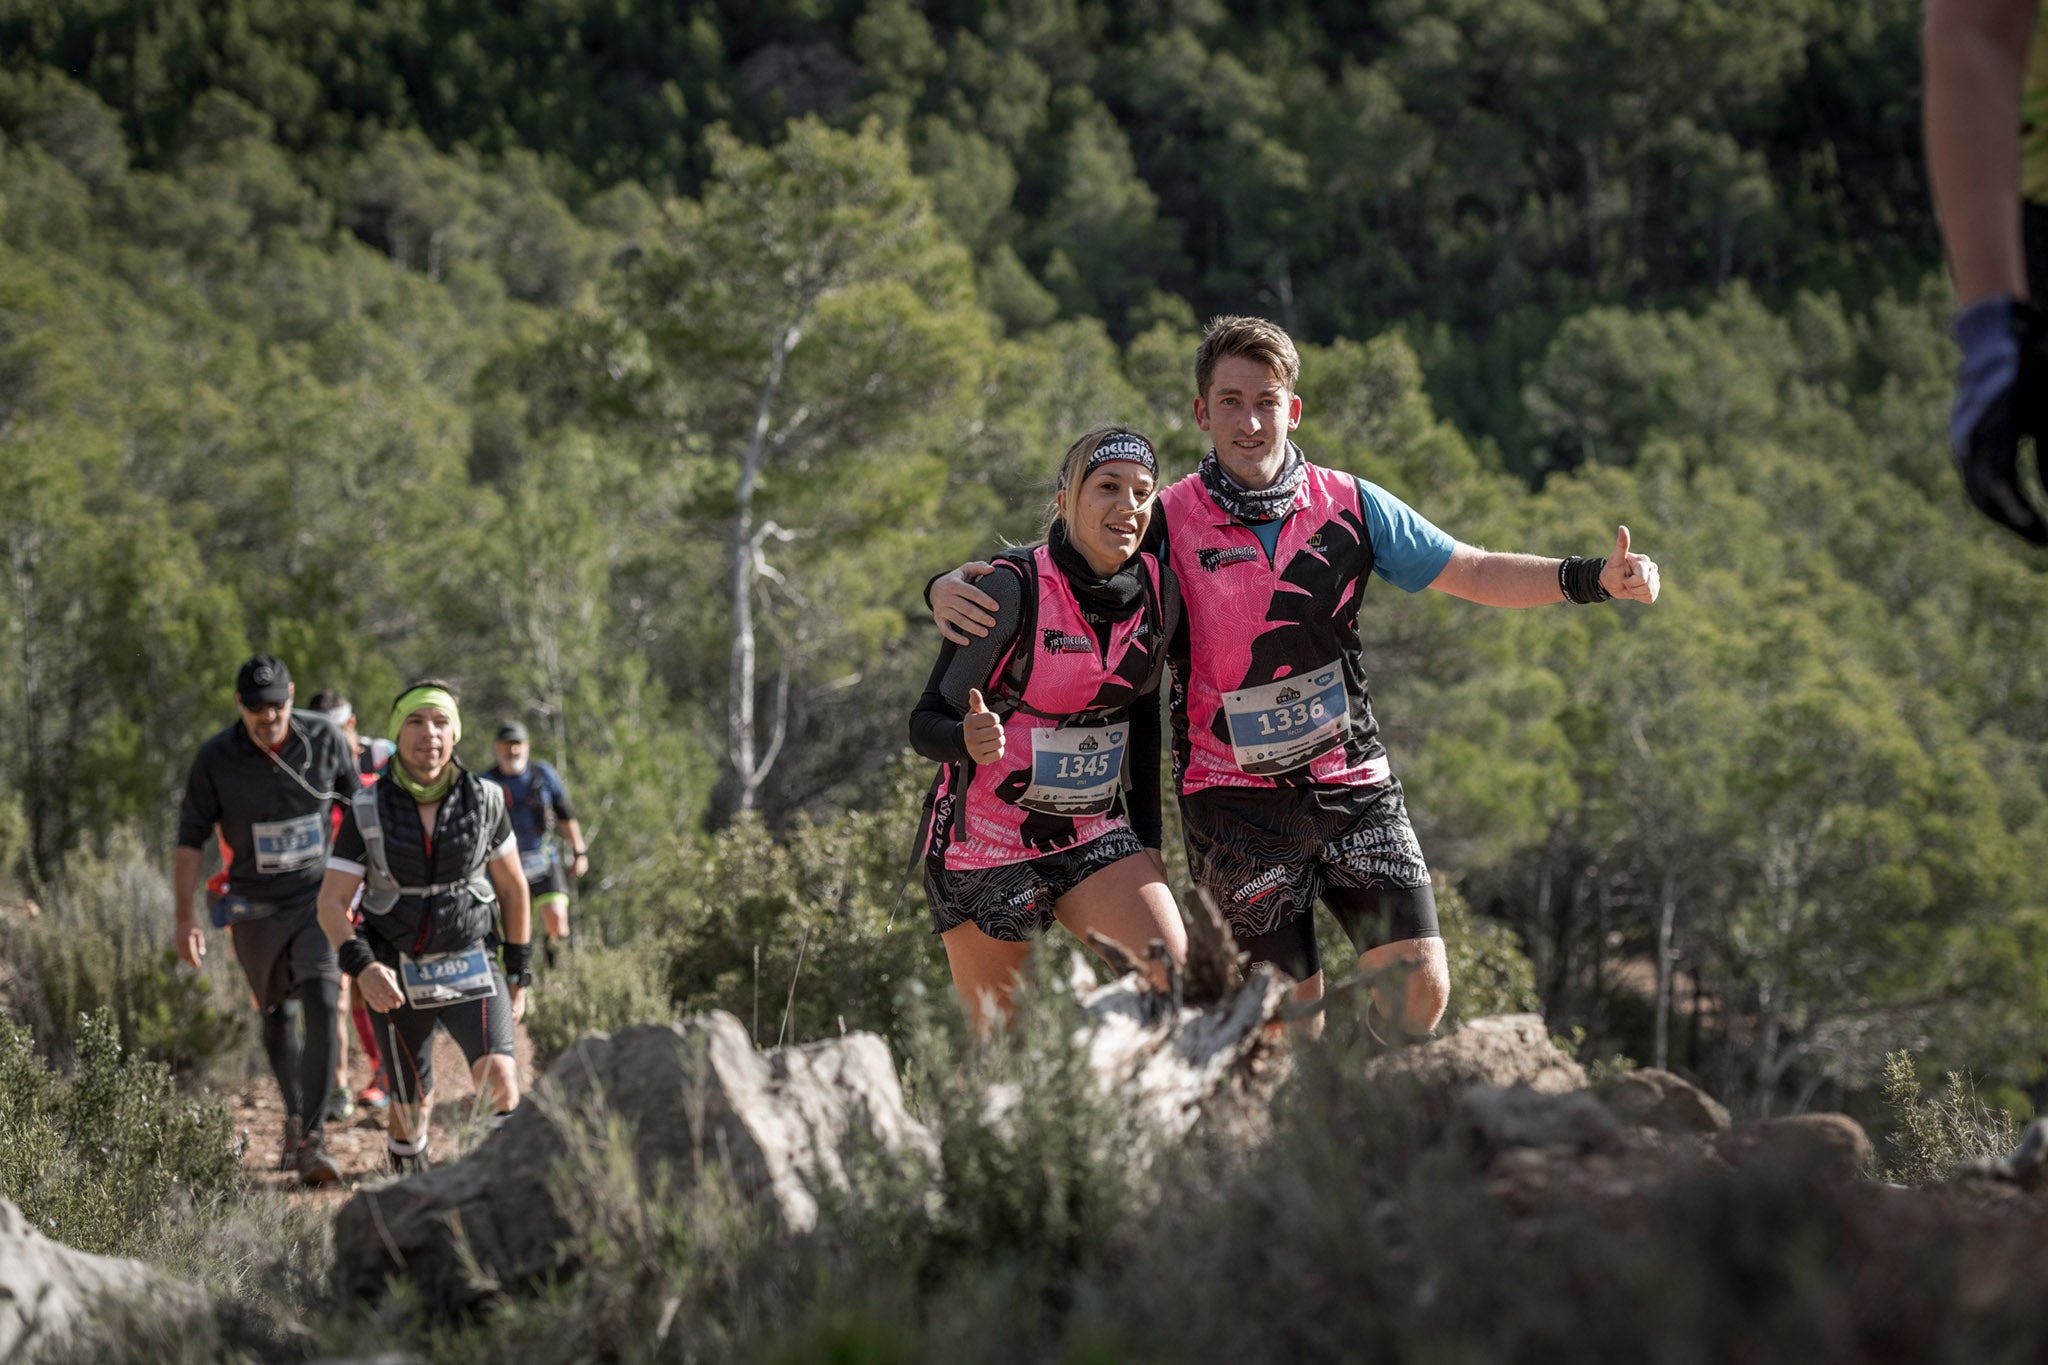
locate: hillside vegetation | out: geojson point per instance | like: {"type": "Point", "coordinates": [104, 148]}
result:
{"type": "Point", "coordinates": [394, 338]}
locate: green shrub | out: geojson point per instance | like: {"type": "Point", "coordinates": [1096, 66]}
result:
{"type": "Point", "coordinates": [103, 943]}
{"type": "Point", "coordinates": [596, 989]}
{"type": "Point", "coordinates": [1932, 1138]}
{"type": "Point", "coordinates": [93, 1158]}
{"type": "Point", "coordinates": [804, 924]}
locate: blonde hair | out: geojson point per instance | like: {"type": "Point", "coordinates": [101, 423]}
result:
{"type": "Point", "coordinates": [1075, 461]}
{"type": "Point", "coordinates": [1254, 339]}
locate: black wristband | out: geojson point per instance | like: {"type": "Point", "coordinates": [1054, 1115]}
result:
{"type": "Point", "coordinates": [1579, 580]}
{"type": "Point", "coordinates": [355, 957]}
{"type": "Point", "coordinates": [517, 957]}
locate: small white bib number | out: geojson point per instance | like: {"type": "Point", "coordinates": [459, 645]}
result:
{"type": "Point", "coordinates": [1285, 724]}
{"type": "Point", "coordinates": [289, 845]}
{"type": "Point", "coordinates": [1075, 769]}
{"type": "Point", "coordinates": [438, 979]}
{"type": "Point", "coordinates": [535, 862]}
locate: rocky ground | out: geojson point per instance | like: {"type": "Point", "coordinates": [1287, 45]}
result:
{"type": "Point", "coordinates": [357, 1143]}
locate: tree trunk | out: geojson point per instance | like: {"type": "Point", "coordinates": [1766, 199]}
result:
{"type": "Point", "coordinates": [1667, 913]}
{"type": "Point", "coordinates": [37, 781]}
{"type": "Point", "coordinates": [749, 765]}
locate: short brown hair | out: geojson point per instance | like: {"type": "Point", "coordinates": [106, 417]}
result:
{"type": "Point", "coordinates": [1257, 340]}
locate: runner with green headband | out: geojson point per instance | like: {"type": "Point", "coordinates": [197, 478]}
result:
{"type": "Point", "coordinates": [431, 846]}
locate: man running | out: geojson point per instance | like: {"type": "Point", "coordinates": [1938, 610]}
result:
{"type": "Point", "coordinates": [539, 803]}
{"type": "Point", "coordinates": [431, 850]}
{"type": "Point", "coordinates": [267, 783]}
{"type": "Point", "coordinates": [1986, 121]}
{"type": "Point", "coordinates": [371, 756]}
{"type": "Point", "coordinates": [1287, 796]}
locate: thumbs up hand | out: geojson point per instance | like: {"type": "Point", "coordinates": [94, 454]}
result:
{"type": "Point", "coordinates": [1629, 575]}
{"type": "Point", "coordinates": [983, 730]}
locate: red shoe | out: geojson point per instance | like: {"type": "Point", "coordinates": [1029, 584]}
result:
{"type": "Point", "coordinates": [372, 1096]}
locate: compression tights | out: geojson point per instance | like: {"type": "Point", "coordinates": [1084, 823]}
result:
{"type": "Point", "coordinates": [302, 1058]}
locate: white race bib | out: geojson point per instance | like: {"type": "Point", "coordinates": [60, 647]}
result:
{"type": "Point", "coordinates": [1283, 725]}
{"type": "Point", "coordinates": [1075, 769]}
{"type": "Point", "coordinates": [289, 845]}
{"type": "Point", "coordinates": [439, 979]}
{"type": "Point", "coordinates": [534, 863]}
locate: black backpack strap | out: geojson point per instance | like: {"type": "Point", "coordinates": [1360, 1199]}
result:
{"type": "Point", "coordinates": [1162, 599]}
{"type": "Point", "coordinates": [1016, 670]}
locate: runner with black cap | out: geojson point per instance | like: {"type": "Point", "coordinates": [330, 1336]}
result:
{"type": "Point", "coordinates": [268, 783]}
{"type": "Point", "coordinates": [431, 849]}
{"type": "Point", "coordinates": [539, 802]}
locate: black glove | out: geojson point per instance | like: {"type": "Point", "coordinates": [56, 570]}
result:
{"type": "Point", "coordinates": [2000, 402]}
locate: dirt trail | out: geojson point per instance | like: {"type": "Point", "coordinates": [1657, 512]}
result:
{"type": "Point", "coordinates": [357, 1143]}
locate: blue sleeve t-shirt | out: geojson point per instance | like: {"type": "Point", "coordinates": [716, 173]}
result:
{"type": "Point", "coordinates": [1407, 548]}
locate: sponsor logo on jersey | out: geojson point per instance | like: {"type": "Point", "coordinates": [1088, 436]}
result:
{"type": "Point", "coordinates": [1058, 643]}
{"type": "Point", "coordinates": [1315, 542]}
{"type": "Point", "coordinates": [1261, 885]}
{"type": "Point", "coordinates": [1088, 746]}
{"type": "Point", "coordinates": [1215, 559]}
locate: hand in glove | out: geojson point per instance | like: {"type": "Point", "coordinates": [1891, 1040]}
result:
{"type": "Point", "coordinates": [2000, 401]}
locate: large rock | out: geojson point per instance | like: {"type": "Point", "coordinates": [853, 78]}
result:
{"type": "Point", "coordinates": [48, 1290]}
{"type": "Point", "coordinates": [691, 1096]}
{"type": "Point", "coordinates": [1666, 1103]}
{"type": "Point", "coordinates": [1501, 1050]}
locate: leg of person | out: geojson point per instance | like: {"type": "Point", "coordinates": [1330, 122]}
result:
{"type": "Point", "coordinates": [341, 1104]}
{"type": "Point", "coordinates": [987, 918]}
{"type": "Point", "coordinates": [984, 974]}
{"type": "Point", "coordinates": [549, 893]}
{"type": "Point", "coordinates": [316, 984]}
{"type": "Point", "coordinates": [483, 1030]}
{"type": "Point", "coordinates": [1377, 885]}
{"type": "Point", "coordinates": [375, 1093]}
{"type": "Point", "coordinates": [1119, 891]}
{"type": "Point", "coordinates": [1253, 849]}
{"type": "Point", "coordinates": [406, 1038]}
{"type": "Point", "coordinates": [260, 946]}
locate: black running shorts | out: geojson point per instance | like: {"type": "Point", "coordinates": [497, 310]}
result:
{"type": "Point", "coordinates": [281, 952]}
{"type": "Point", "coordinates": [1267, 854]}
{"type": "Point", "coordinates": [1014, 902]}
{"type": "Point", "coordinates": [406, 1035]}
{"type": "Point", "coordinates": [553, 882]}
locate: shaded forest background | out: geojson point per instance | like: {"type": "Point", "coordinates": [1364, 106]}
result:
{"type": "Point", "coordinates": [636, 369]}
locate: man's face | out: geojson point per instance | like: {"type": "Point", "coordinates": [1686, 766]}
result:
{"type": "Point", "coordinates": [426, 741]}
{"type": "Point", "coordinates": [512, 756]}
{"type": "Point", "coordinates": [1248, 413]}
{"type": "Point", "coordinates": [268, 722]}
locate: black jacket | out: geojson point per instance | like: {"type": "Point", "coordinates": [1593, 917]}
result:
{"type": "Point", "coordinates": [275, 811]}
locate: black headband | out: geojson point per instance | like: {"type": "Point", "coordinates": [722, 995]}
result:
{"type": "Point", "coordinates": [1123, 446]}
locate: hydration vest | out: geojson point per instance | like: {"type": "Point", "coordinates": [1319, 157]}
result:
{"type": "Point", "coordinates": [382, 891]}
{"type": "Point", "coordinates": [1055, 675]}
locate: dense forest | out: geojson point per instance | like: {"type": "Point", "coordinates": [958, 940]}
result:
{"type": "Point", "coordinates": [635, 366]}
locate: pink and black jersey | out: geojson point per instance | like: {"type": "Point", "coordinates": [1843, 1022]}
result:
{"type": "Point", "coordinates": [1066, 735]}
{"type": "Point", "coordinates": [1273, 691]}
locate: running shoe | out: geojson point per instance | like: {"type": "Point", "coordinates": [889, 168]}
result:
{"type": "Point", "coordinates": [315, 1166]}
{"type": "Point", "coordinates": [372, 1096]}
{"type": "Point", "coordinates": [288, 1153]}
{"type": "Point", "coordinates": [340, 1107]}
{"type": "Point", "coordinates": [406, 1164]}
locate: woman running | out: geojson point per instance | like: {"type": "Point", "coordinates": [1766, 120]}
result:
{"type": "Point", "coordinates": [1047, 807]}
{"type": "Point", "coordinates": [431, 845]}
